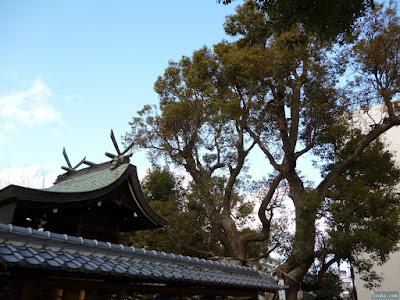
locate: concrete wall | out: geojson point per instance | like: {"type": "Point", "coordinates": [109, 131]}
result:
{"type": "Point", "coordinates": [391, 282]}
{"type": "Point", "coordinates": [390, 270]}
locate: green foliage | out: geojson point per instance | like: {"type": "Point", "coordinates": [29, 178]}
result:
{"type": "Point", "coordinates": [331, 288]}
{"type": "Point", "coordinates": [249, 23]}
{"type": "Point", "coordinates": [187, 231]}
{"type": "Point", "coordinates": [201, 116]}
{"type": "Point", "coordinates": [377, 55]}
{"type": "Point", "coordinates": [328, 19]}
{"type": "Point", "coordinates": [364, 209]}
{"type": "Point", "coordinates": [161, 185]}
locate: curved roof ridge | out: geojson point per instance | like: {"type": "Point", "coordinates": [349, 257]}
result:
{"type": "Point", "coordinates": [63, 241]}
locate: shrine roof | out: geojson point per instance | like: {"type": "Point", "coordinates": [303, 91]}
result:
{"type": "Point", "coordinates": [46, 251]}
{"type": "Point", "coordinates": [88, 179]}
{"type": "Point", "coordinates": [117, 185]}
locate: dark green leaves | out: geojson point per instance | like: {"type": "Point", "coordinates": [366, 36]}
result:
{"type": "Point", "coordinates": [328, 19]}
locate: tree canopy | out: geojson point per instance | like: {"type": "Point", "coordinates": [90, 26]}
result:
{"type": "Point", "coordinates": [327, 19]}
{"type": "Point", "coordinates": [282, 91]}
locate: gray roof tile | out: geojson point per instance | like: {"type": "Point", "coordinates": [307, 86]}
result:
{"type": "Point", "coordinates": [56, 251]}
{"type": "Point", "coordinates": [98, 177]}
{"type": "Point", "coordinates": [35, 260]}
{"type": "Point", "coordinates": [54, 262]}
{"type": "Point", "coordinates": [10, 258]}
{"type": "Point", "coordinates": [106, 268]}
{"type": "Point", "coordinates": [5, 251]}
{"type": "Point", "coordinates": [25, 253]}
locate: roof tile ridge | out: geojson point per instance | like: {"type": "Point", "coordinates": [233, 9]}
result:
{"type": "Point", "coordinates": [65, 177]}
{"type": "Point", "coordinates": [79, 243]}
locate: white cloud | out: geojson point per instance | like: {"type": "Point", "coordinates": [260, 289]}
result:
{"type": "Point", "coordinates": [68, 98]}
{"type": "Point", "coordinates": [29, 107]}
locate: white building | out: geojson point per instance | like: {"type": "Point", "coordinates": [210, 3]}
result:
{"type": "Point", "coordinates": [347, 283]}
{"type": "Point", "coordinates": [390, 288]}
{"type": "Point", "coordinates": [391, 281]}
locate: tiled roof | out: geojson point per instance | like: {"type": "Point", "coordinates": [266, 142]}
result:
{"type": "Point", "coordinates": [89, 179]}
{"type": "Point", "coordinates": [29, 248]}
{"type": "Point", "coordinates": [117, 188]}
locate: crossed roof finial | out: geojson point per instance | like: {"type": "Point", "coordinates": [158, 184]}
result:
{"type": "Point", "coordinates": [73, 169]}
{"type": "Point", "coordinates": [117, 160]}
{"type": "Point", "coordinates": [121, 157]}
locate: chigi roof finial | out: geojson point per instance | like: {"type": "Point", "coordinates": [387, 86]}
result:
{"type": "Point", "coordinates": [120, 158]}
{"type": "Point", "coordinates": [73, 169]}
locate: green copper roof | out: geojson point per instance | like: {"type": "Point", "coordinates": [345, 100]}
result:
{"type": "Point", "coordinates": [96, 178]}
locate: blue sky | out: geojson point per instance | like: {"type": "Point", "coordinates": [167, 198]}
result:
{"type": "Point", "coordinates": [72, 70]}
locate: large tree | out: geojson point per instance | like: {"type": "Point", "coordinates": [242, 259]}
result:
{"type": "Point", "coordinates": [193, 132]}
{"type": "Point", "coordinates": [280, 91]}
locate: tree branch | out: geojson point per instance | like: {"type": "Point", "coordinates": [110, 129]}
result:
{"type": "Point", "coordinates": [264, 149]}
{"type": "Point", "coordinates": [356, 150]}
{"type": "Point", "coordinates": [234, 172]}
{"type": "Point", "coordinates": [282, 122]}
{"type": "Point", "coordinates": [304, 150]}
{"type": "Point", "coordinates": [323, 270]}
{"type": "Point", "coordinates": [295, 116]}
{"type": "Point", "coordinates": [206, 253]}
{"type": "Point", "coordinates": [267, 199]}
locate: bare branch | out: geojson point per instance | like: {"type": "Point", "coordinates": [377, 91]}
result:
{"type": "Point", "coordinates": [304, 150]}
{"type": "Point", "coordinates": [295, 116]}
{"type": "Point", "coordinates": [256, 138]}
{"type": "Point", "coordinates": [267, 199]}
{"type": "Point", "coordinates": [234, 172]}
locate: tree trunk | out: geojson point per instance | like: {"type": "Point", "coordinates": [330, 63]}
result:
{"type": "Point", "coordinates": [238, 250]}
{"type": "Point", "coordinates": [302, 255]}
{"type": "Point", "coordinates": [291, 293]}
{"type": "Point", "coordinates": [293, 278]}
